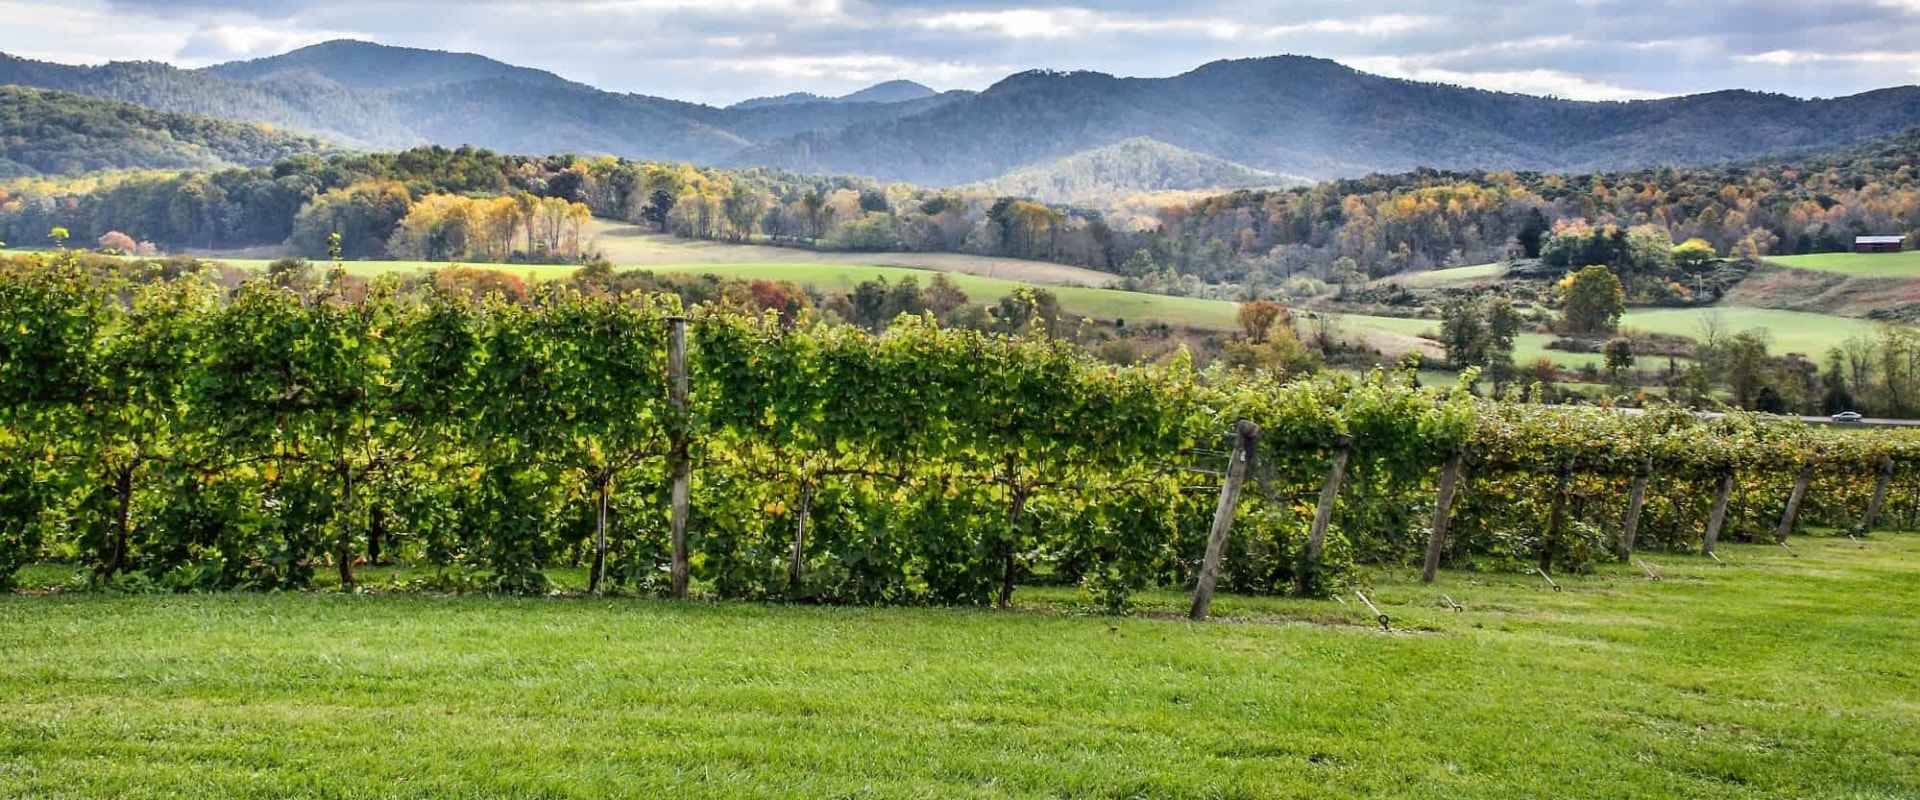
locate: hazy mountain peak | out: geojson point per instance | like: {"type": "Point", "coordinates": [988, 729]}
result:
{"type": "Point", "coordinates": [897, 91]}
{"type": "Point", "coordinates": [788, 99]}
{"type": "Point", "coordinates": [369, 65]}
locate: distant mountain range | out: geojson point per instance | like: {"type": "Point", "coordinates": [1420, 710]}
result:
{"type": "Point", "coordinates": [1286, 115]}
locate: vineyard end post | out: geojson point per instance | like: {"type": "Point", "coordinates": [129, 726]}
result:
{"type": "Point", "coordinates": [1794, 499]}
{"type": "Point", "coordinates": [1442, 508]}
{"type": "Point", "coordinates": [1323, 513]}
{"type": "Point", "coordinates": [1636, 504]}
{"type": "Point", "coordinates": [1718, 518]}
{"type": "Point", "coordinates": [1879, 497]}
{"type": "Point", "coordinates": [678, 458]}
{"type": "Point", "coordinates": [1246, 446]}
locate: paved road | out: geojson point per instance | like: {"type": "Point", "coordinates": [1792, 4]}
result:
{"type": "Point", "coordinates": [1869, 422]}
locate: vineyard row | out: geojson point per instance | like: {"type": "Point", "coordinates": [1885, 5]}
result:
{"type": "Point", "coordinates": [198, 438]}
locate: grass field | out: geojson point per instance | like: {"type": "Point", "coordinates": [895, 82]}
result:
{"type": "Point", "coordinates": [1864, 265]}
{"type": "Point", "coordinates": [1527, 347]}
{"type": "Point", "coordinates": [1451, 276]}
{"type": "Point", "coordinates": [1772, 678]}
{"type": "Point", "coordinates": [1787, 331]}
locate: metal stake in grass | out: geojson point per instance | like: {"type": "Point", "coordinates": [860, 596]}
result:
{"type": "Point", "coordinates": [1450, 604]}
{"type": "Point", "coordinates": [1856, 540]}
{"type": "Point", "coordinates": [1783, 546]}
{"type": "Point", "coordinates": [1543, 574]}
{"type": "Point", "coordinates": [1651, 574]}
{"type": "Point", "coordinates": [1377, 614]}
{"type": "Point", "coordinates": [1716, 559]}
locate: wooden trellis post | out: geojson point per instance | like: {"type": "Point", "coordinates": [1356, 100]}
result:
{"type": "Point", "coordinates": [1718, 518]}
{"type": "Point", "coordinates": [1636, 504]}
{"type": "Point", "coordinates": [797, 564]}
{"type": "Point", "coordinates": [1442, 508]}
{"type": "Point", "coordinates": [1323, 514]}
{"type": "Point", "coordinates": [1556, 519]}
{"type": "Point", "coordinates": [1798, 496]}
{"type": "Point", "coordinates": [1879, 496]}
{"type": "Point", "coordinates": [1246, 446]}
{"type": "Point", "coordinates": [678, 457]}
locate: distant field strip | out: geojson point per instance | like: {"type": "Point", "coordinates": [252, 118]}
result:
{"type": "Point", "coordinates": [1864, 265]}
{"type": "Point", "coordinates": [1787, 331]}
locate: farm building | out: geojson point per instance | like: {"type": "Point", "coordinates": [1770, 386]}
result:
{"type": "Point", "coordinates": [1878, 244]}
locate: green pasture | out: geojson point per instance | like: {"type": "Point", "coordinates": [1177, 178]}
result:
{"type": "Point", "coordinates": [1772, 677]}
{"type": "Point", "coordinates": [1862, 265]}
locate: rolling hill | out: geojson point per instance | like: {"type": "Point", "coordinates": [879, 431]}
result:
{"type": "Point", "coordinates": [1134, 165]}
{"type": "Point", "coordinates": [51, 132]}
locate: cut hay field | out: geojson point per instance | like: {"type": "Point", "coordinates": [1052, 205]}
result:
{"type": "Point", "coordinates": [1773, 677]}
{"type": "Point", "coordinates": [1865, 265]}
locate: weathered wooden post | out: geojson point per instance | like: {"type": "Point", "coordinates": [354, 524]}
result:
{"type": "Point", "coordinates": [1718, 518]}
{"type": "Point", "coordinates": [1636, 504]}
{"type": "Point", "coordinates": [1879, 496]}
{"type": "Point", "coordinates": [678, 457]}
{"type": "Point", "coordinates": [1246, 446]}
{"type": "Point", "coordinates": [798, 562]}
{"type": "Point", "coordinates": [599, 572]}
{"type": "Point", "coordinates": [1323, 514]}
{"type": "Point", "coordinates": [1556, 518]}
{"type": "Point", "coordinates": [1794, 499]}
{"type": "Point", "coordinates": [1442, 508]}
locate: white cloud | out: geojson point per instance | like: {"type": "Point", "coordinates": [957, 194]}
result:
{"type": "Point", "coordinates": [853, 69]}
{"type": "Point", "coordinates": [1063, 23]}
{"type": "Point", "coordinates": [1530, 81]}
{"type": "Point", "coordinates": [1794, 58]}
{"type": "Point", "coordinates": [716, 50]}
{"type": "Point", "coordinates": [213, 44]}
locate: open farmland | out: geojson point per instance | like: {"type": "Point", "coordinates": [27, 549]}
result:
{"type": "Point", "coordinates": [1769, 678]}
{"type": "Point", "coordinates": [1864, 265]}
{"type": "Point", "coordinates": [1787, 331]}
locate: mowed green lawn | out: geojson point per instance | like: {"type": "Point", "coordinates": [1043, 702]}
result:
{"type": "Point", "coordinates": [1864, 265]}
{"type": "Point", "coordinates": [1771, 678]}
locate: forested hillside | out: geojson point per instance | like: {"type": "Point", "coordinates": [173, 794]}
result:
{"type": "Point", "coordinates": [377, 97]}
{"type": "Point", "coordinates": [1284, 115]}
{"type": "Point", "coordinates": [1386, 225]}
{"type": "Point", "coordinates": [61, 133]}
{"type": "Point", "coordinates": [364, 65]}
{"type": "Point", "coordinates": [1337, 231]}
{"type": "Point", "coordinates": [1135, 165]}
{"type": "Point", "coordinates": [888, 92]}
{"type": "Point", "coordinates": [300, 103]}
{"type": "Point", "coordinates": [370, 199]}
{"type": "Point", "coordinates": [1316, 118]}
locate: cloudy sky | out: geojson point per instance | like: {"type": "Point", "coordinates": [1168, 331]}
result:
{"type": "Point", "coordinates": [719, 51]}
